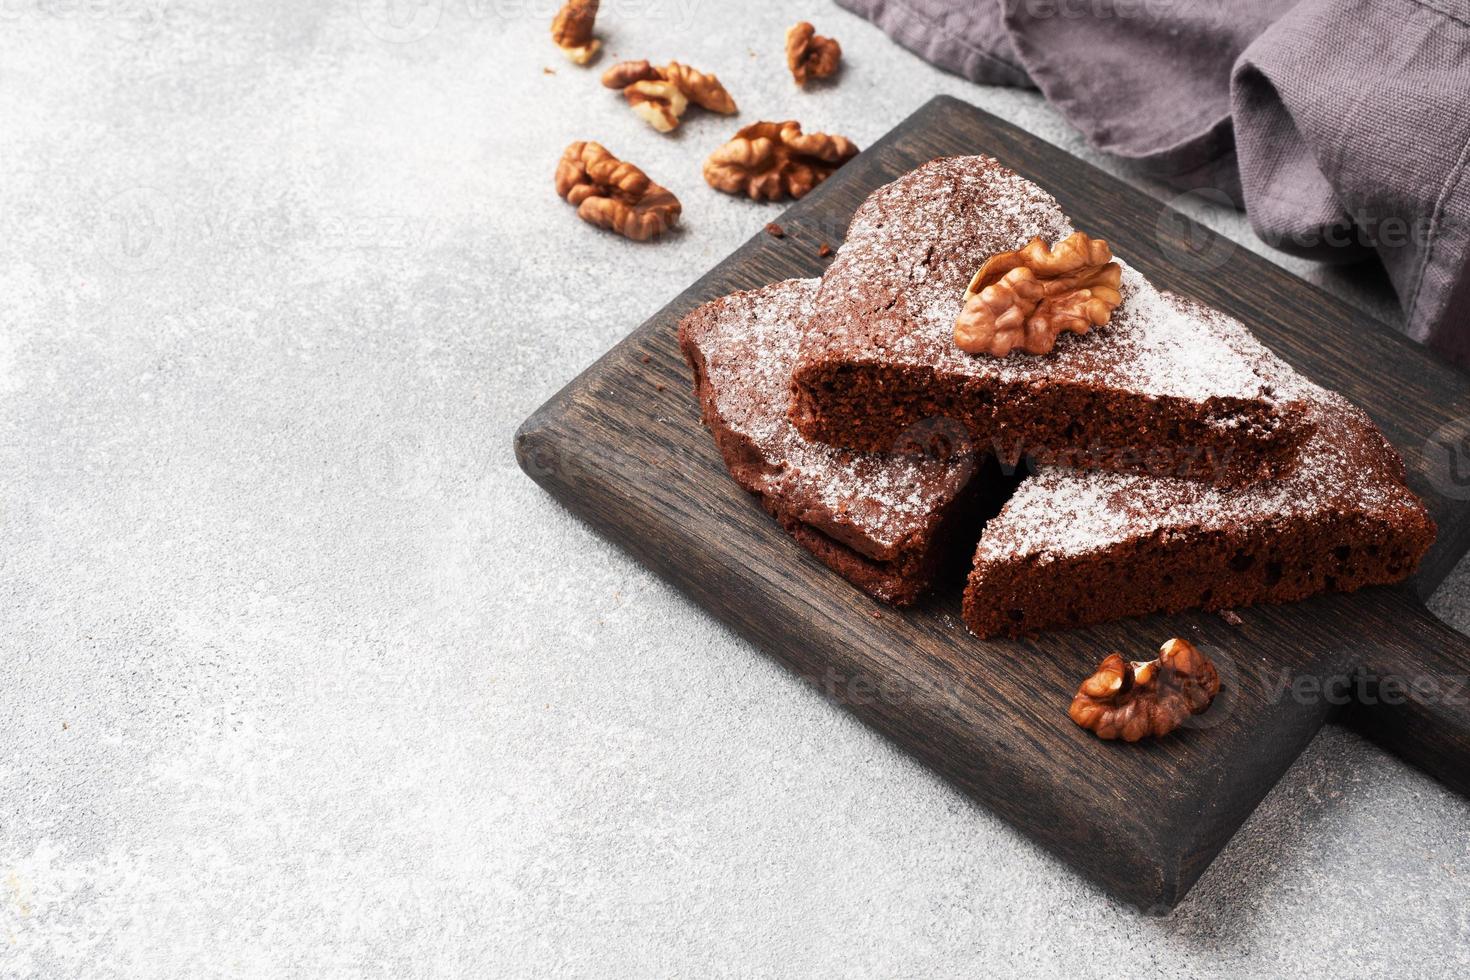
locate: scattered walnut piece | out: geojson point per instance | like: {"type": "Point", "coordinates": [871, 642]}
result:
{"type": "Point", "coordinates": [612, 194]}
{"type": "Point", "coordinates": [571, 29]}
{"type": "Point", "coordinates": [661, 104]}
{"type": "Point", "coordinates": [775, 230]}
{"type": "Point", "coordinates": [660, 95]}
{"type": "Point", "coordinates": [771, 160]}
{"type": "Point", "coordinates": [704, 90]}
{"type": "Point", "coordinates": [625, 73]}
{"type": "Point", "coordinates": [1029, 297]}
{"type": "Point", "coordinates": [809, 55]}
{"type": "Point", "coordinates": [1130, 700]}
{"type": "Point", "coordinates": [825, 250]}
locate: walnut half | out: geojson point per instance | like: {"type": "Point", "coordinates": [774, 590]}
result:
{"type": "Point", "coordinates": [571, 30]}
{"type": "Point", "coordinates": [809, 55]}
{"type": "Point", "coordinates": [703, 88]}
{"type": "Point", "coordinates": [771, 160]}
{"type": "Point", "coordinates": [660, 104]}
{"type": "Point", "coordinates": [1029, 297]}
{"type": "Point", "coordinates": [661, 95]}
{"type": "Point", "coordinates": [1130, 700]}
{"type": "Point", "coordinates": [612, 194]}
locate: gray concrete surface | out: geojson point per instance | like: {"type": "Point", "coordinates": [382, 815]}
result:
{"type": "Point", "coordinates": [303, 678]}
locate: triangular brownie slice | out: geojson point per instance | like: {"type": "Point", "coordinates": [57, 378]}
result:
{"type": "Point", "coordinates": [1077, 547]}
{"type": "Point", "coordinates": [1151, 391]}
{"type": "Point", "coordinates": [885, 522]}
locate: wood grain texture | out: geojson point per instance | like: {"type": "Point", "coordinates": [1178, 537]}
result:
{"type": "Point", "coordinates": [1145, 820]}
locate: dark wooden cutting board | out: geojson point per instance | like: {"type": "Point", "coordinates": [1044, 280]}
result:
{"type": "Point", "coordinates": [622, 446]}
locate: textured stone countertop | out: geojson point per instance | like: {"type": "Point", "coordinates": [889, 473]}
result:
{"type": "Point", "coordinates": [302, 677]}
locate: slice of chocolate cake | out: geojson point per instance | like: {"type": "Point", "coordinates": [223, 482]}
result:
{"type": "Point", "coordinates": [1151, 391]}
{"type": "Point", "coordinates": [1077, 547]}
{"type": "Point", "coordinates": [886, 522]}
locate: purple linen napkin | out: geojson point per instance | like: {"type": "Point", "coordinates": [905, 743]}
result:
{"type": "Point", "coordinates": [967, 39]}
{"type": "Point", "coordinates": [1343, 126]}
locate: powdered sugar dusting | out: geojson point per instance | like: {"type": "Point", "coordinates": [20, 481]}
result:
{"type": "Point", "coordinates": [1344, 467]}
{"type": "Point", "coordinates": [876, 502]}
{"type": "Point", "coordinates": [893, 295]}
{"type": "Point", "coordinates": [898, 283]}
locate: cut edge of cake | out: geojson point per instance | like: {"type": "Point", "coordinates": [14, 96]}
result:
{"type": "Point", "coordinates": [1149, 392]}
{"type": "Point", "coordinates": [887, 523]}
{"type": "Point", "coordinates": [1073, 548]}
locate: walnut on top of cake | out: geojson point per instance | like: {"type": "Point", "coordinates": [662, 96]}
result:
{"type": "Point", "coordinates": [1026, 298]}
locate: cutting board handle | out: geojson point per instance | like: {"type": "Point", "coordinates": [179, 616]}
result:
{"type": "Point", "coordinates": [1411, 690]}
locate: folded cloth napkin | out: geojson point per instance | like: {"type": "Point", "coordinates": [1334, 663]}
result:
{"type": "Point", "coordinates": [1342, 126]}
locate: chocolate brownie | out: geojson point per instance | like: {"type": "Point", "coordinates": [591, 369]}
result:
{"type": "Point", "coordinates": [1076, 547]}
{"type": "Point", "coordinates": [885, 522]}
{"type": "Point", "coordinates": [1154, 390]}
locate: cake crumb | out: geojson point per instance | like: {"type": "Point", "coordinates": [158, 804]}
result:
{"type": "Point", "coordinates": [548, 71]}
{"type": "Point", "coordinates": [659, 386]}
{"type": "Point", "coordinates": [775, 230]}
{"type": "Point", "coordinates": [825, 250]}
{"type": "Point", "coordinates": [645, 358]}
{"type": "Point", "coordinates": [1230, 617]}
{"type": "Point", "coordinates": [877, 614]}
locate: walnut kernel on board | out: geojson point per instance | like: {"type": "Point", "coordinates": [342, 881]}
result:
{"type": "Point", "coordinates": [1131, 699]}
{"type": "Point", "coordinates": [1027, 298]}
{"type": "Point", "coordinates": [612, 194]}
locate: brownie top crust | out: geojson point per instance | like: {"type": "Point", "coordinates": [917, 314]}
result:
{"type": "Point", "coordinates": [893, 292]}
{"type": "Point", "coordinates": [1345, 467]}
{"type": "Point", "coordinates": [743, 346]}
